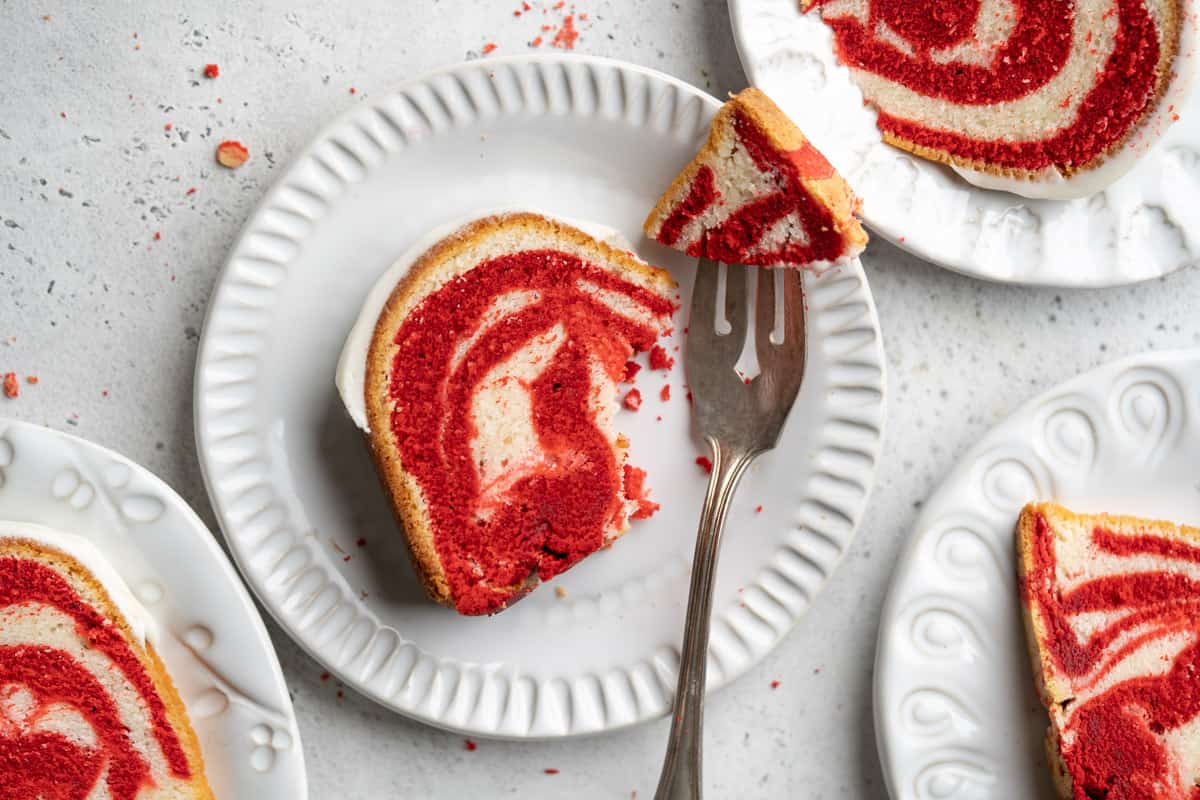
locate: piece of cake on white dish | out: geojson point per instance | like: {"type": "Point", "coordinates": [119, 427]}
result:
{"type": "Point", "coordinates": [87, 709]}
{"type": "Point", "coordinates": [1112, 616]}
{"type": "Point", "coordinates": [483, 370]}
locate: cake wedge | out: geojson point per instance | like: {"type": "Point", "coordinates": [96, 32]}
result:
{"type": "Point", "coordinates": [759, 193]}
{"type": "Point", "coordinates": [87, 709]}
{"type": "Point", "coordinates": [490, 392]}
{"type": "Point", "coordinates": [1112, 615]}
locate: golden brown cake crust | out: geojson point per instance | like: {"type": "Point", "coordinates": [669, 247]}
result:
{"type": "Point", "coordinates": [100, 600]}
{"type": "Point", "coordinates": [833, 192]}
{"type": "Point", "coordinates": [403, 492]}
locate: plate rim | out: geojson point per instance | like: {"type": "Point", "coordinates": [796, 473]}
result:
{"type": "Point", "coordinates": [1163, 359]}
{"type": "Point", "coordinates": [196, 525]}
{"type": "Point", "coordinates": [739, 11]}
{"type": "Point", "coordinates": [322, 134]}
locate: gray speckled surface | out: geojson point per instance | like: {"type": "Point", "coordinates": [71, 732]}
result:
{"type": "Point", "coordinates": [107, 316]}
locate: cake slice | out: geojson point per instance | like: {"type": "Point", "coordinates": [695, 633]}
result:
{"type": "Point", "coordinates": [490, 394]}
{"type": "Point", "coordinates": [1112, 615]}
{"type": "Point", "coordinates": [1050, 100]}
{"type": "Point", "coordinates": [759, 193]}
{"type": "Point", "coordinates": [87, 709]}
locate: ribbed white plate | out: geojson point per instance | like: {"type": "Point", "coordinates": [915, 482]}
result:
{"type": "Point", "coordinates": [292, 482]}
{"type": "Point", "coordinates": [1145, 225]}
{"type": "Point", "coordinates": [212, 640]}
{"type": "Point", "coordinates": [956, 714]}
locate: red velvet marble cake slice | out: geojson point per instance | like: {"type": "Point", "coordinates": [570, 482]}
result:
{"type": "Point", "coordinates": [759, 193]}
{"type": "Point", "coordinates": [1041, 98]}
{"type": "Point", "coordinates": [87, 709]}
{"type": "Point", "coordinates": [1112, 616]}
{"type": "Point", "coordinates": [491, 389]}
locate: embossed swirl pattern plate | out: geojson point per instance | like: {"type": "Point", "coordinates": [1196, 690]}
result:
{"type": "Point", "coordinates": [292, 482]}
{"type": "Point", "coordinates": [956, 714]}
{"type": "Point", "coordinates": [1145, 225]}
{"type": "Point", "coordinates": [211, 637]}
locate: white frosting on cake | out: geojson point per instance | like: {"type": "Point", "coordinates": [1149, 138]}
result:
{"type": "Point", "coordinates": [352, 366]}
{"type": "Point", "coordinates": [143, 625]}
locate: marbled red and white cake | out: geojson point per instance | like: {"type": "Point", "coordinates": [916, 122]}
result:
{"type": "Point", "coordinates": [1045, 98]}
{"type": "Point", "coordinates": [759, 193]}
{"type": "Point", "coordinates": [87, 710]}
{"type": "Point", "coordinates": [1112, 614]}
{"type": "Point", "coordinates": [490, 395]}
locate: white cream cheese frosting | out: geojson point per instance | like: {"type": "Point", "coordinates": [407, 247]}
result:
{"type": "Point", "coordinates": [352, 365]}
{"type": "Point", "coordinates": [143, 625]}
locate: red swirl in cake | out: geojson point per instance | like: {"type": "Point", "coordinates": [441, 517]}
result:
{"type": "Point", "coordinates": [759, 193]}
{"type": "Point", "coordinates": [1017, 88]}
{"type": "Point", "coordinates": [86, 710]}
{"type": "Point", "coordinates": [1113, 609]}
{"type": "Point", "coordinates": [491, 386]}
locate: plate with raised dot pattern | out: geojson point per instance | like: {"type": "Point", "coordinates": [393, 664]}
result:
{"type": "Point", "coordinates": [292, 482]}
{"type": "Point", "coordinates": [956, 713]}
{"type": "Point", "coordinates": [210, 636]}
{"type": "Point", "coordinates": [1143, 226]}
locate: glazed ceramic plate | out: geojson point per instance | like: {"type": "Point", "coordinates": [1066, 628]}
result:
{"type": "Point", "coordinates": [294, 487]}
{"type": "Point", "coordinates": [956, 714]}
{"type": "Point", "coordinates": [1145, 225]}
{"type": "Point", "coordinates": [212, 640]}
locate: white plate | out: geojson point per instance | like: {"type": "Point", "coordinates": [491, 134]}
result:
{"type": "Point", "coordinates": [212, 640]}
{"type": "Point", "coordinates": [294, 488]}
{"type": "Point", "coordinates": [1145, 225]}
{"type": "Point", "coordinates": [956, 714]}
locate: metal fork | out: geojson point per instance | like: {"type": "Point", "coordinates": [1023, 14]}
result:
{"type": "Point", "coordinates": [740, 419]}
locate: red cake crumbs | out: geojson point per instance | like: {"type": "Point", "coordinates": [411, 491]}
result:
{"type": "Point", "coordinates": [168, 126]}
{"type": "Point", "coordinates": [632, 368]}
{"type": "Point", "coordinates": [536, 42]}
{"type": "Point", "coordinates": [361, 542]}
{"type": "Point", "coordinates": [232, 153]}
{"type": "Point", "coordinates": [324, 676]}
{"type": "Point", "coordinates": [635, 489]}
{"type": "Point", "coordinates": [1032, 56]}
{"type": "Point", "coordinates": [31, 380]}
{"type": "Point", "coordinates": [550, 771]}
{"type": "Point", "coordinates": [191, 191]}
{"type": "Point", "coordinates": [157, 236]}
{"type": "Point", "coordinates": [353, 90]}
{"type": "Point", "coordinates": [566, 35]}
{"type": "Point", "coordinates": [705, 463]}
{"type": "Point", "coordinates": [341, 695]}
{"type": "Point", "coordinates": [633, 400]}
{"type": "Point", "coordinates": [489, 48]}
{"type": "Point", "coordinates": [469, 745]}
{"type": "Point", "coordinates": [1122, 752]}
{"type": "Point", "coordinates": [553, 516]}
{"type": "Point", "coordinates": [211, 71]}
{"type": "Point", "coordinates": [659, 359]}
{"type": "Point", "coordinates": [11, 388]}
{"type": "Point", "coordinates": [665, 394]}
{"type": "Point", "coordinates": [758, 509]}
{"type": "Point", "coordinates": [49, 765]}
{"type": "Point", "coordinates": [774, 684]}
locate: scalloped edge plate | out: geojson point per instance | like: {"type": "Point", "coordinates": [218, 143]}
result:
{"type": "Point", "coordinates": [211, 638]}
{"type": "Point", "coordinates": [291, 482]}
{"type": "Point", "coordinates": [956, 714]}
{"type": "Point", "coordinates": [1143, 226]}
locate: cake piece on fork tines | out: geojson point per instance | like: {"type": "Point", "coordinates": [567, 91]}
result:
{"type": "Point", "coordinates": [759, 193]}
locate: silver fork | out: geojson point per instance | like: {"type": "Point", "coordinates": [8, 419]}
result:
{"type": "Point", "coordinates": [739, 420]}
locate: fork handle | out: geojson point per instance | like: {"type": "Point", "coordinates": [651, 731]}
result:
{"type": "Point", "coordinates": [680, 778]}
